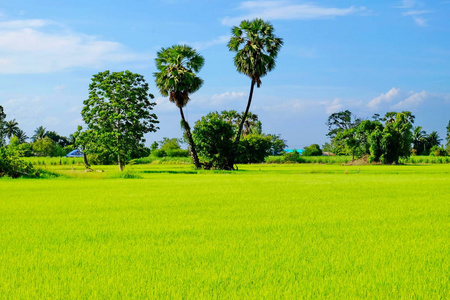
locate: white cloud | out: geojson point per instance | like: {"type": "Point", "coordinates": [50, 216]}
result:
{"type": "Point", "coordinates": [388, 97]}
{"type": "Point", "coordinates": [288, 10]}
{"type": "Point", "coordinates": [223, 39]}
{"type": "Point", "coordinates": [228, 96]}
{"type": "Point", "coordinates": [42, 46]}
{"type": "Point", "coordinates": [397, 99]}
{"type": "Point", "coordinates": [414, 100]}
{"type": "Point", "coordinates": [335, 106]}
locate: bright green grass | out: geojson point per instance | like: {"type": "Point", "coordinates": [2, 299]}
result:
{"type": "Point", "coordinates": [266, 231]}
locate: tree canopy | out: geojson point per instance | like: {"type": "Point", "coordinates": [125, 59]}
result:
{"type": "Point", "coordinates": [117, 113]}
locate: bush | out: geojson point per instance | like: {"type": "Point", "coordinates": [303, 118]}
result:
{"type": "Point", "coordinates": [438, 151]}
{"type": "Point", "coordinates": [293, 157]}
{"type": "Point", "coordinates": [312, 150]}
{"type": "Point", "coordinates": [253, 148]}
{"type": "Point", "coordinates": [159, 153]}
{"type": "Point", "coordinates": [213, 138]}
{"type": "Point", "coordinates": [12, 166]}
{"type": "Point", "coordinates": [177, 153]}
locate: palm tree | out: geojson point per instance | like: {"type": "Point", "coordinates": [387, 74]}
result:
{"type": "Point", "coordinates": [433, 139]}
{"type": "Point", "coordinates": [39, 133]}
{"type": "Point", "coordinates": [418, 138]}
{"type": "Point", "coordinates": [11, 128]}
{"type": "Point", "coordinates": [21, 135]}
{"type": "Point", "coordinates": [177, 79]}
{"type": "Point", "coordinates": [256, 49]}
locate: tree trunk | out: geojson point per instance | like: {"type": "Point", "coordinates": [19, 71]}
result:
{"type": "Point", "coordinates": [119, 160]}
{"type": "Point", "coordinates": [241, 125]}
{"type": "Point", "coordinates": [192, 149]}
{"type": "Point", "coordinates": [85, 160]}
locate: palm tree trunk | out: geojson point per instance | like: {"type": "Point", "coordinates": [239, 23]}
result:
{"type": "Point", "coordinates": [192, 149]}
{"type": "Point", "coordinates": [241, 125]}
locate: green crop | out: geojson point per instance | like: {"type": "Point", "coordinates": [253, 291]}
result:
{"type": "Point", "coordinates": [263, 232]}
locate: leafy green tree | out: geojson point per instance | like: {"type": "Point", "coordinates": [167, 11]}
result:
{"type": "Point", "coordinates": [118, 114]}
{"type": "Point", "coordinates": [277, 144]}
{"type": "Point", "coordinates": [256, 49]}
{"type": "Point", "coordinates": [45, 147]}
{"type": "Point", "coordinates": [253, 148]}
{"type": "Point", "coordinates": [59, 139]}
{"type": "Point", "coordinates": [343, 143]}
{"type": "Point", "coordinates": [213, 137]}
{"type": "Point", "coordinates": [397, 136]}
{"type": "Point", "coordinates": [312, 150]}
{"type": "Point", "coordinates": [176, 77]}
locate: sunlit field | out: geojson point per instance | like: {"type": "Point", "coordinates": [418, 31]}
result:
{"type": "Point", "coordinates": [263, 232]}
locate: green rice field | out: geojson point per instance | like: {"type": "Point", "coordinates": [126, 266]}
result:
{"type": "Point", "coordinates": [305, 231]}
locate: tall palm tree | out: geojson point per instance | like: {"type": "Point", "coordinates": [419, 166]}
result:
{"type": "Point", "coordinates": [11, 128]}
{"type": "Point", "coordinates": [433, 139]}
{"type": "Point", "coordinates": [177, 78]}
{"type": "Point", "coordinates": [21, 136]}
{"type": "Point", "coordinates": [256, 49]}
{"type": "Point", "coordinates": [418, 138]}
{"type": "Point", "coordinates": [39, 133]}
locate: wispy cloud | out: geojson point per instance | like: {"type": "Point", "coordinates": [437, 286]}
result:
{"type": "Point", "coordinates": [223, 39]}
{"type": "Point", "coordinates": [42, 46]}
{"type": "Point", "coordinates": [288, 10]}
{"type": "Point", "coordinates": [396, 99]}
{"type": "Point", "coordinates": [388, 97]}
{"type": "Point", "coordinates": [412, 9]}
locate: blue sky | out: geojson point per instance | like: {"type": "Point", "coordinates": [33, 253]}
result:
{"type": "Point", "coordinates": [365, 56]}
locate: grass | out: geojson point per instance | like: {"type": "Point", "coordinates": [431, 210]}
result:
{"type": "Point", "coordinates": [265, 231]}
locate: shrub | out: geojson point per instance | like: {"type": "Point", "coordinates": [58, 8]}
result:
{"type": "Point", "coordinates": [159, 153]}
{"type": "Point", "coordinates": [177, 153]}
{"type": "Point", "coordinates": [293, 157]}
{"type": "Point", "coordinates": [12, 166]}
{"type": "Point", "coordinates": [438, 151]}
{"type": "Point", "coordinates": [312, 150]}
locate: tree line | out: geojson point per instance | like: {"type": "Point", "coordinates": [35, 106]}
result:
{"type": "Point", "coordinates": [118, 113]}
{"type": "Point", "coordinates": [383, 139]}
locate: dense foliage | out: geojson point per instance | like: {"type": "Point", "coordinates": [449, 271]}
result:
{"type": "Point", "coordinates": [117, 114]}
{"type": "Point", "coordinates": [385, 143]}
{"type": "Point", "coordinates": [214, 135]}
{"type": "Point", "coordinates": [312, 150]}
{"type": "Point", "coordinates": [11, 165]}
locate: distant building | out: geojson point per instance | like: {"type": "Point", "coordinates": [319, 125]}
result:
{"type": "Point", "coordinates": [75, 153]}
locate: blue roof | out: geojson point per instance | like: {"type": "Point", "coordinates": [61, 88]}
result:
{"type": "Point", "coordinates": [75, 153]}
{"type": "Point", "coordinates": [300, 151]}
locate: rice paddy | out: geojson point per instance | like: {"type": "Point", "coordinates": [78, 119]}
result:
{"type": "Point", "coordinates": [263, 232]}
